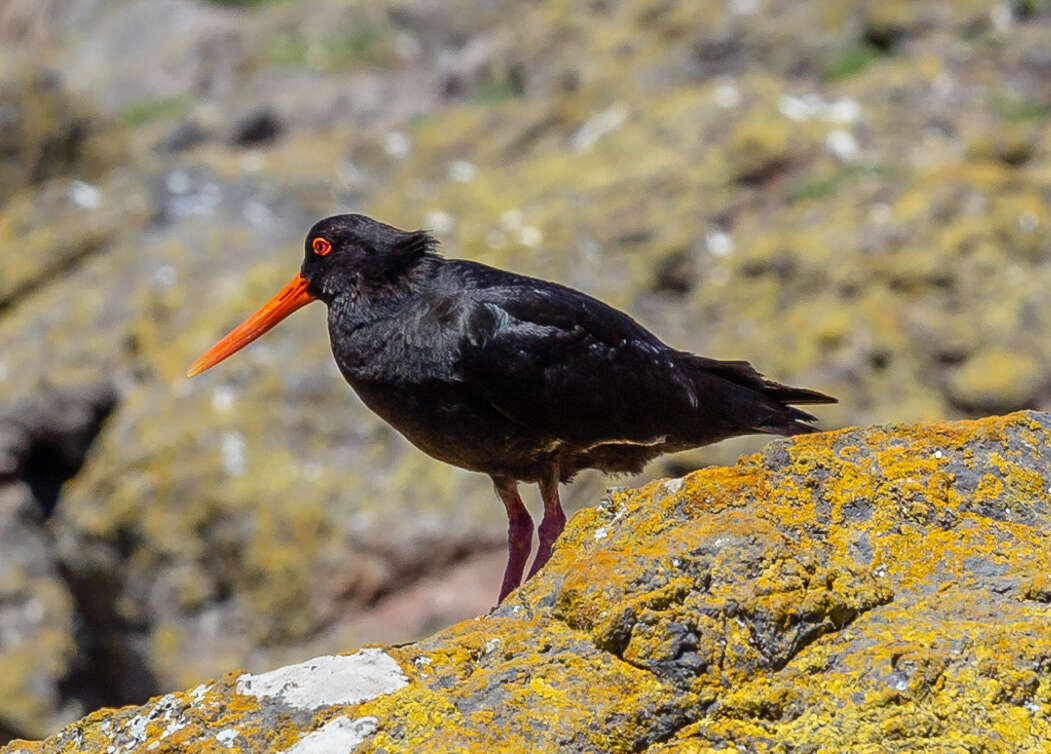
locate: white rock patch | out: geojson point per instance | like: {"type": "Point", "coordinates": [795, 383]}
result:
{"type": "Point", "coordinates": [136, 728]}
{"type": "Point", "coordinates": [842, 144]}
{"type": "Point", "coordinates": [719, 244]}
{"type": "Point", "coordinates": [85, 195]}
{"type": "Point", "coordinates": [342, 679]}
{"type": "Point", "coordinates": [605, 122]}
{"type": "Point", "coordinates": [727, 95]}
{"type": "Point", "coordinates": [340, 734]}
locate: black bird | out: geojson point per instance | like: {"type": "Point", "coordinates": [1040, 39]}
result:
{"type": "Point", "coordinates": [518, 378]}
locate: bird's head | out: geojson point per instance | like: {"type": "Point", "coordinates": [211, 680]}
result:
{"type": "Point", "coordinates": [344, 255]}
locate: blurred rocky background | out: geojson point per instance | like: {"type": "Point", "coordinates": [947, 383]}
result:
{"type": "Point", "coordinates": [854, 196]}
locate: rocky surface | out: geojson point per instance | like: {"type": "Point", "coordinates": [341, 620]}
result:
{"type": "Point", "coordinates": [46, 673]}
{"type": "Point", "coordinates": [853, 196]}
{"type": "Point", "coordinates": [863, 590]}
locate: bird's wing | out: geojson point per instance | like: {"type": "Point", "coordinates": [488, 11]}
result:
{"type": "Point", "coordinates": [561, 363]}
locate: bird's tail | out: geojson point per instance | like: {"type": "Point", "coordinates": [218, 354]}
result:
{"type": "Point", "coordinates": [770, 411]}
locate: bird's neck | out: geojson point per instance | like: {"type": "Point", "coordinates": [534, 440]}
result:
{"type": "Point", "coordinates": [378, 297]}
{"type": "Point", "coordinates": [368, 325]}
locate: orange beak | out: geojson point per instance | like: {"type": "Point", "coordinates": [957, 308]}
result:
{"type": "Point", "coordinates": [293, 296]}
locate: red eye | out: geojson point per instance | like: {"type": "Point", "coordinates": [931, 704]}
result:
{"type": "Point", "coordinates": [321, 247]}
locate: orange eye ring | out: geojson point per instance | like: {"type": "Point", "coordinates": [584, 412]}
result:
{"type": "Point", "coordinates": [321, 247]}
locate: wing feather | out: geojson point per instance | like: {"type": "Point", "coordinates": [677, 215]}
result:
{"type": "Point", "coordinates": [562, 363]}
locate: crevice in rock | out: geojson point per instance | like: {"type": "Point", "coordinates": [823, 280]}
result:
{"type": "Point", "coordinates": [8, 734]}
{"type": "Point", "coordinates": [62, 266]}
{"type": "Point", "coordinates": [44, 441]}
{"type": "Point", "coordinates": [683, 664]}
{"type": "Point", "coordinates": [111, 668]}
{"type": "Point", "coordinates": [665, 723]}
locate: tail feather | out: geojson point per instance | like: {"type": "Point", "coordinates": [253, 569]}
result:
{"type": "Point", "coordinates": [788, 423]}
{"type": "Point", "coordinates": [788, 394]}
{"type": "Point", "coordinates": [745, 374]}
{"type": "Point", "coordinates": [778, 417]}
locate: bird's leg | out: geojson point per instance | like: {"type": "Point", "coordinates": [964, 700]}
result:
{"type": "Point", "coordinates": [553, 523]}
{"type": "Point", "coordinates": [519, 534]}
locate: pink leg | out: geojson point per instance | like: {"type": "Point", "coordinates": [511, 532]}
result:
{"type": "Point", "coordinates": [519, 534]}
{"type": "Point", "coordinates": [553, 523]}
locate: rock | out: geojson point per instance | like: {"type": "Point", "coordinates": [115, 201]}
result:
{"type": "Point", "coordinates": [37, 620]}
{"type": "Point", "coordinates": [186, 135]}
{"type": "Point", "coordinates": [45, 132]}
{"type": "Point", "coordinates": [44, 21]}
{"type": "Point", "coordinates": [999, 379]}
{"type": "Point", "coordinates": [44, 439]}
{"type": "Point", "coordinates": [889, 23]}
{"type": "Point", "coordinates": [760, 147]}
{"type": "Point", "coordinates": [144, 52]}
{"type": "Point", "coordinates": [43, 442]}
{"type": "Point", "coordinates": [852, 590]}
{"type": "Point", "coordinates": [257, 128]}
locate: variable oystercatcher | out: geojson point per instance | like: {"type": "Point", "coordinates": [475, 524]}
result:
{"type": "Point", "coordinates": [518, 378]}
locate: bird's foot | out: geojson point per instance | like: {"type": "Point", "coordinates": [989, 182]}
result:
{"type": "Point", "coordinates": [551, 527]}
{"type": "Point", "coordinates": [519, 543]}
{"type": "Point", "coordinates": [549, 530]}
{"type": "Point", "coordinates": [519, 536]}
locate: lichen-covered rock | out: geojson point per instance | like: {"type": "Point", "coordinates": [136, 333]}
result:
{"type": "Point", "coordinates": [45, 132]}
{"type": "Point", "coordinates": [37, 647]}
{"type": "Point", "coordinates": [850, 591]}
{"type": "Point", "coordinates": [42, 653]}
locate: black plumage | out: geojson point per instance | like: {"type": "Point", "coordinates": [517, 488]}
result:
{"type": "Point", "coordinates": [515, 377]}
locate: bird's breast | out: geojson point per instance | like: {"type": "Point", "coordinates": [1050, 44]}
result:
{"type": "Point", "coordinates": [406, 373]}
{"type": "Point", "coordinates": [451, 422]}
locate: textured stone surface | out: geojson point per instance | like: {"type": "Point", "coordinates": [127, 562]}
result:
{"type": "Point", "coordinates": [872, 589]}
{"type": "Point", "coordinates": [43, 650]}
